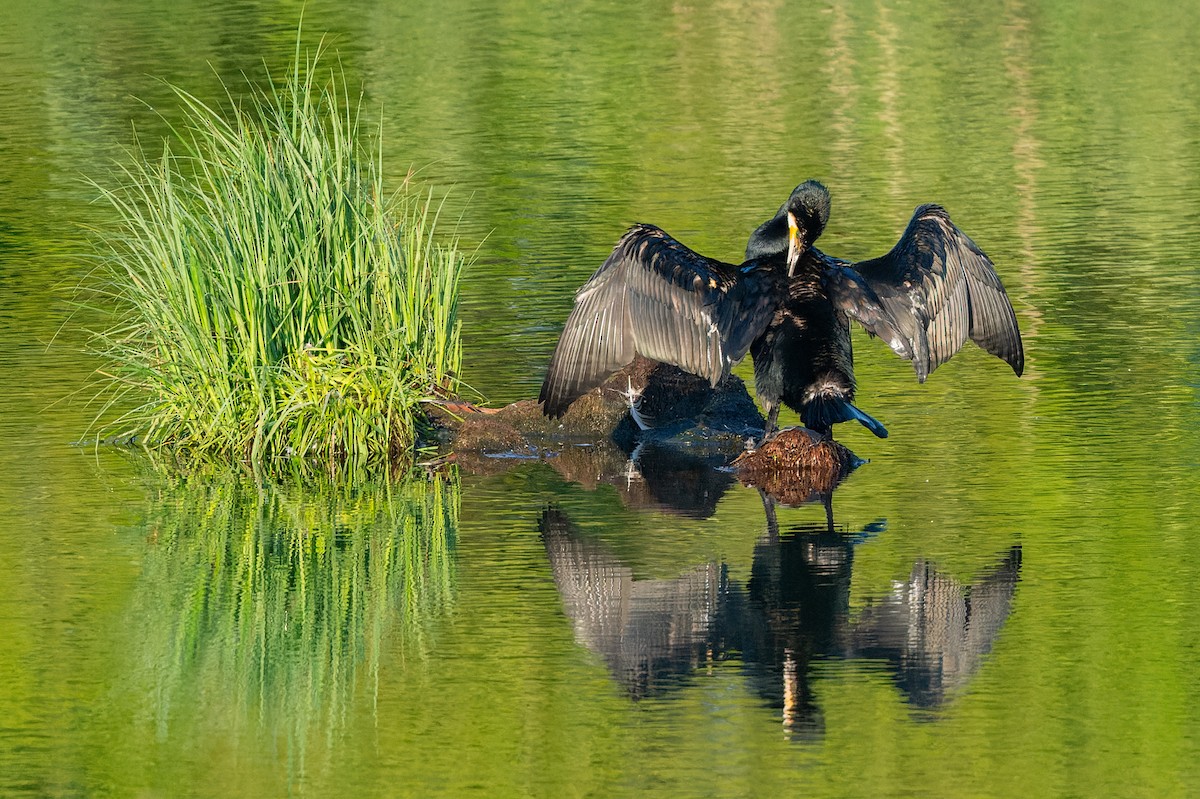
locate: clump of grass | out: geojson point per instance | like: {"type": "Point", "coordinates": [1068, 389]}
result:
{"type": "Point", "coordinates": [276, 299]}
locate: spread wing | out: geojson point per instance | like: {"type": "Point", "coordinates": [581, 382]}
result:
{"type": "Point", "coordinates": [937, 289]}
{"type": "Point", "coordinates": [655, 297]}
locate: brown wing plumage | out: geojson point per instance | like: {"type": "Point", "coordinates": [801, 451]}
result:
{"type": "Point", "coordinates": [938, 289]}
{"type": "Point", "coordinates": [655, 297]}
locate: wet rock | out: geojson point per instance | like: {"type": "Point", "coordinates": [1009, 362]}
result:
{"type": "Point", "coordinates": [683, 409]}
{"type": "Point", "coordinates": [599, 441]}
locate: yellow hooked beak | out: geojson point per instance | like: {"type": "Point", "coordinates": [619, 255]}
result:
{"type": "Point", "coordinates": [795, 246]}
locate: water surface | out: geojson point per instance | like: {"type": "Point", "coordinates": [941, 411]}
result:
{"type": "Point", "coordinates": [1006, 604]}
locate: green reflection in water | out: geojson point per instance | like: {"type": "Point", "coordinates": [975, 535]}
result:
{"type": "Point", "coordinates": [1064, 139]}
{"type": "Point", "coordinates": [263, 609]}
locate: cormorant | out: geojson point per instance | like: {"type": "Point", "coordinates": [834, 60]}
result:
{"type": "Point", "coordinates": [658, 298]}
{"type": "Point", "coordinates": [936, 288]}
{"type": "Point", "coordinates": [789, 305]}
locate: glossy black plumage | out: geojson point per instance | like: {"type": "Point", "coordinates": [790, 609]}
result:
{"type": "Point", "coordinates": [790, 305]}
{"type": "Point", "coordinates": [655, 297]}
{"type": "Point", "coordinates": [804, 358]}
{"type": "Point", "coordinates": [925, 298]}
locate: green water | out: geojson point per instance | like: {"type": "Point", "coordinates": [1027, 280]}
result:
{"type": "Point", "coordinates": [1009, 608]}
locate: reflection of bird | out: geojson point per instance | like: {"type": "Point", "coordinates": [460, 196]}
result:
{"type": "Point", "coordinates": [655, 297]}
{"type": "Point", "coordinates": [798, 611]}
{"type": "Point", "coordinates": [929, 294]}
{"type": "Point", "coordinates": [933, 631]}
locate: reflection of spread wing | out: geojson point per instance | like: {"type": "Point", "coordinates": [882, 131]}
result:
{"type": "Point", "coordinates": [937, 288]}
{"type": "Point", "coordinates": [651, 633]}
{"type": "Point", "coordinates": [656, 297]}
{"type": "Point", "coordinates": [935, 629]}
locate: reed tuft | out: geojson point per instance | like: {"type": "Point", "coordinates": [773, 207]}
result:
{"type": "Point", "coordinates": [275, 300]}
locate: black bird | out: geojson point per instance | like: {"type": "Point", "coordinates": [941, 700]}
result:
{"type": "Point", "coordinates": [929, 294]}
{"type": "Point", "coordinates": [788, 304]}
{"type": "Point", "coordinates": [655, 297]}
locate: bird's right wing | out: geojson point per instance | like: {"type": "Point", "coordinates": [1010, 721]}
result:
{"type": "Point", "coordinates": [655, 297]}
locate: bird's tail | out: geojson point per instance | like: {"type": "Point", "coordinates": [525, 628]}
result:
{"type": "Point", "coordinates": [822, 413]}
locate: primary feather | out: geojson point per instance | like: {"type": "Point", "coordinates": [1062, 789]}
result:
{"type": "Point", "coordinates": [655, 297]}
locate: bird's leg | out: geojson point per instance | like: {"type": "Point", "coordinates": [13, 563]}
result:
{"type": "Point", "coordinates": [772, 521]}
{"type": "Point", "coordinates": [772, 423]}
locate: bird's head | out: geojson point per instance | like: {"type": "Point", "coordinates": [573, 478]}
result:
{"type": "Point", "coordinates": [799, 222]}
{"type": "Point", "coordinates": [807, 212]}
{"type": "Point", "coordinates": [809, 203]}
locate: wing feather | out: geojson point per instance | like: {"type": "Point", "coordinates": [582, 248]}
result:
{"type": "Point", "coordinates": [937, 289]}
{"type": "Point", "coordinates": [656, 297]}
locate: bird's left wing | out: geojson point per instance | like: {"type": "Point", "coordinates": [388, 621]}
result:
{"type": "Point", "coordinates": [936, 289]}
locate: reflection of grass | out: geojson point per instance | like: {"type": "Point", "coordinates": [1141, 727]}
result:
{"type": "Point", "coordinates": [276, 299]}
{"type": "Point", "coordinates": [274, 601]}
